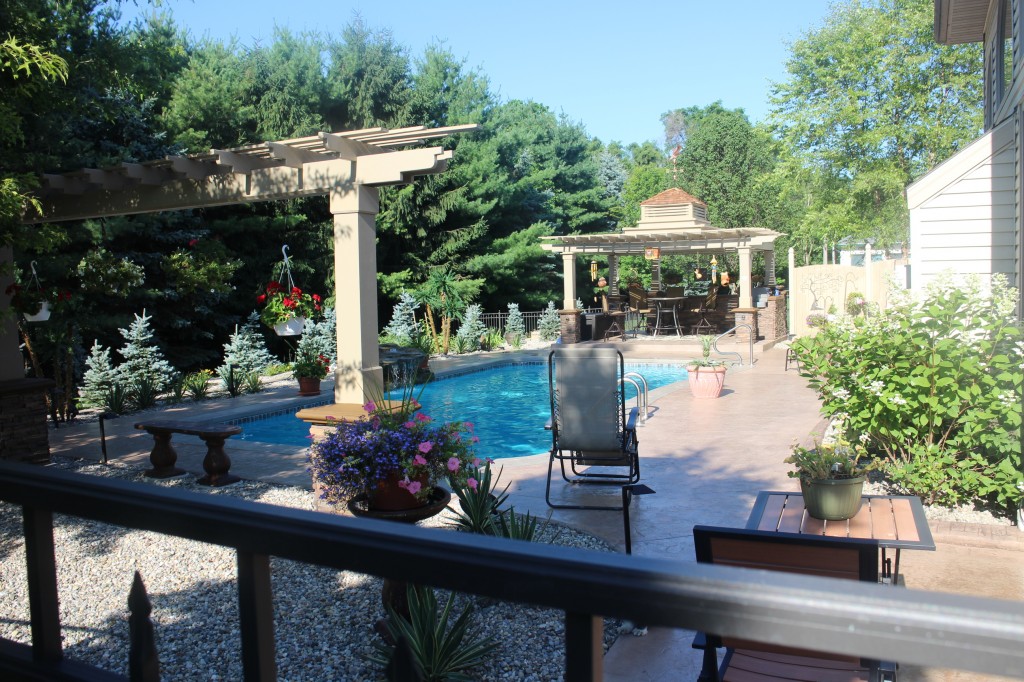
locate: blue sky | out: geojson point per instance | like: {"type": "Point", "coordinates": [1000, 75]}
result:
{"type": "Point", "coordinates": [614, 66]}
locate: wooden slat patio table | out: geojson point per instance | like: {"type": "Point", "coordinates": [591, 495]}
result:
{"type": "Point", "coordinates": [893, 521]}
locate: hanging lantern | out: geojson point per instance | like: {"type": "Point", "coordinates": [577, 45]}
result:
{"type": "Point", "coordinates": [697, 274]}
{"type": "Point", "coordinates": [593, 270]}
{"type": "Point", "coordinates": [652, 253]}
{"type": "Point", "coordinates": [714, 269]}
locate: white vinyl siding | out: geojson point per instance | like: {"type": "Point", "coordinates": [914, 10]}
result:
{"type": "Point", "coordinates": [962, 214]}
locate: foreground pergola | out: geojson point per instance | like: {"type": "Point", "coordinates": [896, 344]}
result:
{"type": "Point", "coordinates": [672, 222]}
{"type": "Point", "coordinates": [346, 166]}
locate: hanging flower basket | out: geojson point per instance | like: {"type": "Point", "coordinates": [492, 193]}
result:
{"type": "Point", "coordinates": [42, 315]}
{"type": "Point", "coordinates": [292, 327]}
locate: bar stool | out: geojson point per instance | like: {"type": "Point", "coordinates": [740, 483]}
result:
{"type": "Point", "coordinates": [662, 309]}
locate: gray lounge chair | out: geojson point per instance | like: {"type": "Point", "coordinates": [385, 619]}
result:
{"type": "Point", "coordinates": [590, 429]}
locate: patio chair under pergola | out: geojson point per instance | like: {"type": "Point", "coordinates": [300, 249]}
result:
{"type": "Point", "coordinates": [672, 222]}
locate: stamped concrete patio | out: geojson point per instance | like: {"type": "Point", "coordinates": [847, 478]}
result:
{"type": "Point", "coordinates": [706, 460]}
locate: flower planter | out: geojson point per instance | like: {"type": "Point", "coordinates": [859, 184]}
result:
{"type": "Point", "coordinates": [388, 496]}
{"type": "Point", "coordinates": [309, 386]}
{"type": "Point", "coordinates": [42, 316]}
{"type": "Point", "coordinates": [292, 327]}
{"type": "Point", "coordinates": [706, 382]}
{"type": "Point", "coordinates": [834, 499]}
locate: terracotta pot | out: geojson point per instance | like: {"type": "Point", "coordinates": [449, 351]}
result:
{"type": "Point", "coordinates": [309, 386]}
{"type": "Point", "coordinates": [834, 499]}
{"type": "Point", "coordinates": [706, 382]}
{"type": "Point", "coordinates": [292, 327]}
{"type": "Point", "coordinates": [390, 497]}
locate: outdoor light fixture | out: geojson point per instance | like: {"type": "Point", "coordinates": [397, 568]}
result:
{"type": "Point", "coordinates": [593, 270]}
{"type": "Point", "coordinates": [697, 274]}
{"type": "Point", "coordinates": [652, 253]}
{"type": "Point", "coordinates": [714, 269]}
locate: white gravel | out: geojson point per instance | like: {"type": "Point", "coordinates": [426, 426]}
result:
{"type": "Point", "coordinates": [323, 618]}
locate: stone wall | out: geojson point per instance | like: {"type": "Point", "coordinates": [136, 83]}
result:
{"type": "Point", "coordinates": [23, 431]}
{"type": "Point", "coordinates": [771, 320]}
{"type": "Point", "coordinates": [570, 325]}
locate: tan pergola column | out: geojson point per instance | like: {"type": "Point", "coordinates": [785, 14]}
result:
{"type": "Point", "coordinates": [746, 277]}
{"type": "Point", "coordinates": [769, 267]}
{"type": "Point", "coordinates": [568, 281]}
{"type": "Point", "coordinates": [613, 274]}
{"type": "Point", "coordinates": [359, 375]}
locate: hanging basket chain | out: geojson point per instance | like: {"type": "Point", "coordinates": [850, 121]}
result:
{"type": "Point", "coordinates": [285, 270]}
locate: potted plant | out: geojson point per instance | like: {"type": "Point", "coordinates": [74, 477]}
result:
{"type": "Point", "coordinates": [310, 368]}
{"type": "Point", "coordinates": [394, 458]}
{"type": "Point", "coordinates": [706, 376]}
{"type": "Point", "coordinates": [286, 310]}
{"type": "Point", "coordinates": [35, 303]}
{"type": "Point", "coordinates": [831, 478]}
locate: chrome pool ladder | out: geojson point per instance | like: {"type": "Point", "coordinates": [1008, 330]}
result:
{"type": "Point", "coordinates": [641, 392]}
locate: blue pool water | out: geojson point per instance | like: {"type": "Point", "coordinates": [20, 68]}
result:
{"type": "Point", "coordinates": [507, 405]}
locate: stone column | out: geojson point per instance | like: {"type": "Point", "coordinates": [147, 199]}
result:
{"type": "Point", "coordinates": [568, 281]}
{"type": "Point", "coordinates": [613, 274]}
{"type": "Point", "coordinates": [359, 374]}
{"type": "Point", "coordinates": [746, 278]}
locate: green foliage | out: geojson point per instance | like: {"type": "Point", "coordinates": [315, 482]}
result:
{"type": "Point", "coordinates": [479, 506]}
{"type": "Point", "coordinates": [707, 344]}
{"type": "Point", "coordinates": [515, 327]}
{"type": "Point", "coordinates": [253, 383]}
{"type": "Point", "coordinates": [143, 359]}
{"type": "Point", "coordinates": [320, 338]}
{"type": "Point", "coordinates": [246, 350]}
{"type": "Point", "coordinates": [517, 526]}
{"type": "Point", "coordinates": [99, 377]}
{"type": "Point", "coordinates": [933, 386]}
{"type": "Point", "coordinates": [472, 328]}
{"type": "Point", "coordinates": [403, 328]}
{"type": "Point", "coordinates": [102, 273]}
{"type": "Point", "coordinates": [176, 388]}
{"type": "Point", "coordinates": [232, 378]}
{"type": "Point", "coordinates": [143, 392]}
{"type": "Point", "coordinates": [867, 107]}
{"type": "Point", "coordinates": [197, 384]}
{"type": "Point", "coordinates": [310, 365]}
{"type": "Point", "coordinates": [550, 325]}
{"type": "Point", "coordinates": [440, 651]}
{"type": "Point", "coordinates": [837, 459]}
{"type": "Point", "coordinates": [116, 399]}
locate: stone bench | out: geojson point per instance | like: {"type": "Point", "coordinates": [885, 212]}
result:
{"type": "Point", "coordinates": [216, 464]}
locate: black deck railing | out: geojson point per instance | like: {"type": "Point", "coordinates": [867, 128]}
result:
{"type": "Point", "coordinates": [875, 621]}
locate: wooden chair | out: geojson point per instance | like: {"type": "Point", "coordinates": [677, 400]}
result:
{"type": "Point", "coordinates": [809, 555]}
{"type": "Point", "coordinates": [618, 325]}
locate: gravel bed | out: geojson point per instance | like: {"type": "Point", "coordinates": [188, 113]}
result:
{"type": "Point", "coordinates": [323, 618]}
{"type": "Point", "coordinates": [963, 513]}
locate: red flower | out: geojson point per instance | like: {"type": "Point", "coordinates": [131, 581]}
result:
{"type": "Point", "coordinates": [316, 297]}
{"type": "Point", "coordinates": [261, 299]}
{"type": "Point", "coordinates": [296, 291]}
{"type": "Point", "coordinates": [65, 295]}
{"type": "Point", "coordinates": [274, 287]}
{"type": "Point", "coordinates": [287, 302]}
{"type": "Point", "coordinates": [12, 289]}
{"type": "Point", "coordinates": [193, 242]}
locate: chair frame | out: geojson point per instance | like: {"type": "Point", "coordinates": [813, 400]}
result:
{"type": "Point", "coordinates": [627, 458]}
{"type": "Point", "coordinates": [789, 553]}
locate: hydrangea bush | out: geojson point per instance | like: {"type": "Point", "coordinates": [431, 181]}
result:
{"type": "Point", "coordinates": [933, 387]}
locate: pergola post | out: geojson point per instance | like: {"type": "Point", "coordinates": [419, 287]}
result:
{"type": "Point", "coordinates": [568, 281]}
{"type": "Point", "coordinates": [613, 275]}
{"type": "Point", "coordinates": [769, 267]}
{"type": "Point", "coordinates": [789, 279]}
{"type": "Point", "coordinates": [746, 277]}
{"type": "Point", "coordinates": [358, 375]}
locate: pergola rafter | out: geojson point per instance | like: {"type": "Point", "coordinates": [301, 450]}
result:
{"type": "Point", "coordinates": [347, 166]}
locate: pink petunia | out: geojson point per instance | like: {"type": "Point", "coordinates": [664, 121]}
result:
{"type": "Point", "coordinates": [370, 407]}
{"type": "Point", "coordinates": [414, 487]}
{"type": "Point", "coordinates": [475, 439]}
{"type": "Point", "coordinates": [419, 460]}
{"type": "Point", "coordinates": [425, 447]}
{"type": "Point", "coordinates": [477, 461]}
{"type": "Point", "coordinates": [471, 483]}
{"type": "Point", "coordinates": [453, 464]}
{"type": "Point", "coordinates": [469, 426]}
{"type": "Point", "coordinates": [409, 425]}
{"type": "Point", "coordinates": [422, 417]}
{"type": "Point", "coordinates": [404, 483]}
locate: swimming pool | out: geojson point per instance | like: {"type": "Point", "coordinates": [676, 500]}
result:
{"type": "Point", "coordinates": [508, 406]}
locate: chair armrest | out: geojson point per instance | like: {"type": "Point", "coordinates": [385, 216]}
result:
{"type": "Point", "coordinates": [631, 418]}
{"type": "Point", "coordinates": [547, 424]}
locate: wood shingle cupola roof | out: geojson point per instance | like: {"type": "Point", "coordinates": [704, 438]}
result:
{"type": "Point", "coordinates": [673, 209]}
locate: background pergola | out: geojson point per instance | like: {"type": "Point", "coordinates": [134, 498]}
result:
{"type": "Point", "coordinates": [674, 223]}
{"type": "Point", "coordinates": [346, 166]}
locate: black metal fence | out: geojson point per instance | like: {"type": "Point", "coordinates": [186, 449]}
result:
{"type": "Point", "coordinates": [874, 621]}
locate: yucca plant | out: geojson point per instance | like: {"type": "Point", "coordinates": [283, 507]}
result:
{"type": "Point", "coordinates": [479, 504]}
{"type": "Point", "coordinates": [253, 382]}
{"type": "Point", "coordinates": [144, 392]}
{"type": "Point", "coordinates": [440, 652]}
{"type": "Point", "coordinates": [115, 399]}
{"type": "Point", "coordinates": [176, 388]}
{"type": "Point", "coordinates": [197, 384]}
{"type": "Point", "coordinates": [516, 526]}
{"type": "Point", "coordinates": [232, 380]}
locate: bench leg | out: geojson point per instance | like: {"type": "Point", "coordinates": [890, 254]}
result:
{"type": "Point", "coordinates": [216, 464]}
{"type": "Point", "coordinates": [163, 457]}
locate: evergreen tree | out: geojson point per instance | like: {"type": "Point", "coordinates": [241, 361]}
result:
{"type": "Point", "coordinates": [100, 376]}
{"type": "Point", "coordinates": [472, 327]}
{"type": "Point", "coordinates": [320, 338]}
{"type": "Point", "coordinates": [143, 360]}
{"type": "Point", "coordinates": [515, 328]}
{"type": "Point", "coordinates": [550, 324]}
{"type": "Point", "coordinates": [402, 328]}
{"type": "Point", "coordinates": [246, 351]}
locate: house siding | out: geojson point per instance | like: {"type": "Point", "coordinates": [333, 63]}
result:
{"type": "Point", "coordinates": [963, 213]}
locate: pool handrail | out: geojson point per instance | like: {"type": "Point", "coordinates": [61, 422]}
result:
{"type": "Point", "coordinates": [750, 339]}
{"type": "Point", "coordinates": [641, 392]}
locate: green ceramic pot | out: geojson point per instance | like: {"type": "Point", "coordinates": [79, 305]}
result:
{"type": "Point", "coordinates": [834, 499]}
